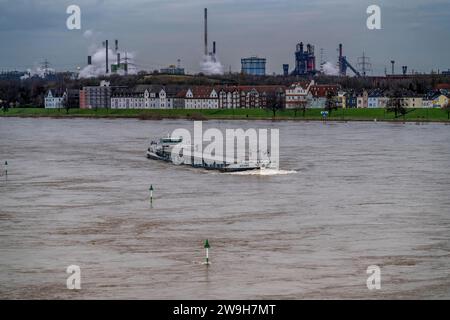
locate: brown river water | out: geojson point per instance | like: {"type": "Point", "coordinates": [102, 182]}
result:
{"type": "Point", "coordinates": [348, 195]}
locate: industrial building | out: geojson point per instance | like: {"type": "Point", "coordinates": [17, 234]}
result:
{"type": "Point", "coordinates": [172, 70]}
{"type": "Point", "coordinates": [344, 64]}
{"type": "Point", "coordinates": [254, 66]}
{"type": "Point", "coordinates": [305, 60]}
{"type": "Point", "coordinates": [12, 75]}
{"type": "Point", "coordinates": [285, 70]}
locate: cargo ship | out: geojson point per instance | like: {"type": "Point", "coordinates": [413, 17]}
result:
{"type": "Point", "coordinates": [162, 150]}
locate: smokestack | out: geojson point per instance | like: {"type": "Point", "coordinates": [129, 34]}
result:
{"type": "Point", "coordinates": [118, 59]}
{"type": "Point", "coordinates": [107, 60]}
{"type": "Point", "coordinates": [206, 31]}
{"type": "Point", "coordinates": [393, 67]}
{"type": "Point", "coordinates": [285, 70]}
{"type": "Point", "coordinates": [405, 69]}
{"type": "Point", "coordinates": [117, 45]}
{"type": "Point", "coordinates": [89, 60]}
{"type": "Point", "coordinates": [341, 61]}
{"type": "Point", "coordinates": [214, 48]}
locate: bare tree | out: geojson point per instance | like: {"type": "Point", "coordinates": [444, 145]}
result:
{"type": "Point", "coordinates": [300, 105]}
{"type": "Point", "coordinates": [275, 101]}
{"type": "Point", "coordinates": [446, 108]}
{"type": "Point", "coordinates": [65, 102]}
{"type": "Point", "coordinates": [331, 103]}
{"type": "Point", "coordinates": [395, 104]}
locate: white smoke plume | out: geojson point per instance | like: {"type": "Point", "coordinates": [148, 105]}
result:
{"type": "Point", "coordinates": [98, 54]}
{"type": "Point", "coordinates": [211, 66]}
{"type": "Point", "coordinates": [330, 69]}
{"type": "Point", "coordinates": [37, 71]}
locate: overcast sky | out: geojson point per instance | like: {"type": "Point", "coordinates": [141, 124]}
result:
{"type": "Point", "coordinates": [414, 32]}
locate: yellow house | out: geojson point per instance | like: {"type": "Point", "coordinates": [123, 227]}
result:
{"type": "Point", "coordinates": [342, 99]}
{"type": "Point", "coordinates": [440, 101]}
{"type": "Point", "coordinates": [413, 102]}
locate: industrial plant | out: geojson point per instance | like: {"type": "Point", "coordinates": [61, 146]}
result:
{"type": "Point", "coordinates": [305, 60]}
{"type": "Point", "coordinates": [106, 61]}
{"type": "Point", "coordinates": [253, 66]}
{"type": "Point", "coordinates": [306, 83]}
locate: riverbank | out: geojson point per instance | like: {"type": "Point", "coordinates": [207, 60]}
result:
{"type": "Point", "coordinates": [413, 115]}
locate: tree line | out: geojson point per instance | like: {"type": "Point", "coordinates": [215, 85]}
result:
{"type": "Point", "coordinates": [31, 92]}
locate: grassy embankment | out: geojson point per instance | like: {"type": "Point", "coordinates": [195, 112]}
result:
{"type": "Point", "coordinates": [253, 114]}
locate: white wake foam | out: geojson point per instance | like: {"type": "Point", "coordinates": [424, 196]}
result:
{"type": "Point", "coordinates": [264, 172]}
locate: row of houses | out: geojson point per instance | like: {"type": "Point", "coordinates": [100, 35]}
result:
{"type": "Point", "coordinates": [170, 97]}
{"type": "Point", "coordinates": [196, 97]}
{"type": "Point", "coordinates": [311, 95]}
{"type": "Point", "coordinates": [377, 99]}
{"type": "Point", "coordinates": [298, 95]}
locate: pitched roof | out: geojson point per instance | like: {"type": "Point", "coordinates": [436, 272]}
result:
{"type": "Point", "coordinates": [151, 88]}
{"type": "Point", "coordinates": [182, 93]}
{"type": "Point", "coordinates": [201, 92]}
{"type": "Point", "coordinates": [262, 89]}
{"type": "Point", "coordinates": [303, 84]}
{"type": "Point", "coordinates": [321, 90]}
{"type": "Point", "coordinates": [443, 86]}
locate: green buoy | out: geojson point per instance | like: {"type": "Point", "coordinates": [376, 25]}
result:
{"type": "Point", "coordinates": [151, 194]}
{"type": "Point", "coordinates": [207, 246]}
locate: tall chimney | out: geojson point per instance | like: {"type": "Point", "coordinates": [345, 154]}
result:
{"type": "Point", "coordinates": [107, 60]}
{"type": "Point", "coordinates": [393, 66]}
{"type": "Point", "coordinates": [405, 69]}
{"type": "Point", "coordinates": [89, 60]}
{"type": "Point", "coordinates": [206, 31]}
{"type": "Point", "coordinates": [214, 48]}
{"type": "Point", "coordinates": [117, 45]}
{"type": "Point", "coordinates": [118, 59]}
{"type": "Point", "coordinates": [341, 62]}
{"type": "Point", "coordinates": [285, 70]}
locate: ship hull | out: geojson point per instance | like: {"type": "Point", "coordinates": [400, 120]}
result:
{"type": "Point", "coordinates": [224, 169]}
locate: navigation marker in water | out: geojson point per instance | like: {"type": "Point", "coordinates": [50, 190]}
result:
{"type": "Point", "coordinates": [207, 246]}
{"type": "Point", "coordinates": [151, 194]}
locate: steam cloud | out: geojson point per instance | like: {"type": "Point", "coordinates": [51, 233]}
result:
{"type": "Point", "coordinates": [211, 66]}
{"type": "Point", "coordinates": [98, 66]}
{"type": "Point", "coordinates": [37, 72]}
{"type": "Point", "coordinates": [330, 69]}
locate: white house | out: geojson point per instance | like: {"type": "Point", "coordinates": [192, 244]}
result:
{"type": "Point", "coordinates": [201, 98]}
{"type": "Point", "coordinates": [53, 101]}
{"type": "Point", "coordinates": [298, 94]}
{"type": "Point", "coordinates": [229, 98]}
{"type": "Point", "coordinates": [142, 98]}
